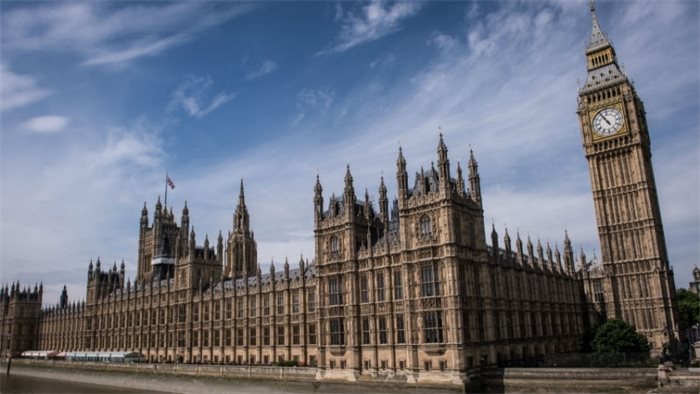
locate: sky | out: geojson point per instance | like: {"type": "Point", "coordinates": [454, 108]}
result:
{"type": "Point", "coordinates": [98, 100]}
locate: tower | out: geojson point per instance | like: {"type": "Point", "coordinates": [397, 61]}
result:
{"type": "Point", "coordinates": [241, 253]}
{"type": "Point", "coordinates": [638, 283]}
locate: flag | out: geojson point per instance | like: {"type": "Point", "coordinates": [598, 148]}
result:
{"type": "Point", "coordinates": [170, 182]}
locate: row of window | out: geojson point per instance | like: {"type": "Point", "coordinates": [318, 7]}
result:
{"type": "Point", "coordinates": [156, 316]}
{"type": "Point", "coordinates": [432, 329]}
{"type": "Point", "coordinates": [430, 285]}
{"type": "Point", "coordinates": [211, 338]}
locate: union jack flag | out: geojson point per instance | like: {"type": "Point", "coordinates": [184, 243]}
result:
{"type": "Point", "coordinates": [170, 182]}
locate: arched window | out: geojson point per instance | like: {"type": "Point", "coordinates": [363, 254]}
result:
{"type": "Point", "coordinates": [425, 226]}
{"type": "Point", "coordinates": [335, 244]}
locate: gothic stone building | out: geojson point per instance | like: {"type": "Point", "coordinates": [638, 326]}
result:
{"type": "Point", "coordinates": [412, 289]}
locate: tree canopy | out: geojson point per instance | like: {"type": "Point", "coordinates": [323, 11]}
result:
{"type": "Point", "coordinates": [616, 336]}
{"type": "Point", "coordinates": [688, 308]}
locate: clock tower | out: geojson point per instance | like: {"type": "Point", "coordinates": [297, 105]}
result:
{"type": "Point", "coordinates": [638, 283]}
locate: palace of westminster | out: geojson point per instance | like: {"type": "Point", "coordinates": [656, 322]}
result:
{"type": "Point", "coordinates": [408, 286]}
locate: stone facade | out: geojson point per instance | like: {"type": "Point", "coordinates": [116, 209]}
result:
{"type": "Point", "coordinates": [635, 282]}
{"type": "Point", "coordinates": [408, 290]}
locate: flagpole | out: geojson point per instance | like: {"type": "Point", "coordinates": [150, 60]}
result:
{"type": "Point", "coordinates": [166, 189]}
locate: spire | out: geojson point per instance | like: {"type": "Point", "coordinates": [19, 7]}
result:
{"type": "Point", "coordinates": [383, 203]}
{"type": "Point", "coordinates": [460, 180]}
{"type": "Point", "coordinates": [241, 220]}
{"type": "Point", "coordinates": [443, 164]}
{"type": "Point", "coordinates": [506, 243]}
{"type": "Point", "coordinates": [144, 214]}
{"type": "Point", "coordinates": [474, 179]}
{"type": "Point", "coordinates": [494, 240]}
{"type": "Point", "coordinates": [318, 200]}
{"type": "Point", "coordinates": [401, 178]}
{"type": "Point", "coordinates": [598, 38]}
{"type": "Point", "coordinates": [349, 191]}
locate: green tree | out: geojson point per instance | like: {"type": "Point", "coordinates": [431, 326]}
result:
{"type": "Point", "coordinates": [616, 336]}
{"type": "Point", "coordinates": [688, 308]}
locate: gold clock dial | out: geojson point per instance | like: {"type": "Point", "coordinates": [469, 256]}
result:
{"type": "Point", "coordinates": [607, 122]}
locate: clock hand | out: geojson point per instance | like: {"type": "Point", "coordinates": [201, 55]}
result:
{"type": "Point", "coordinates": [606, 120]}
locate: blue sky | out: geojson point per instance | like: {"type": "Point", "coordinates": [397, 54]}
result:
{"type": "Point", "coordinates": [99, 100]}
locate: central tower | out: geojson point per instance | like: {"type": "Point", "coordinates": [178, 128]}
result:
{"type": "Point", "coordinates": [638, 284]}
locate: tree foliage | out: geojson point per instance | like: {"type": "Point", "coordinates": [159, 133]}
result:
{"type": "Point", "coordinates": [616, 336]}
{"type": "Point", "coordinates": [688, 308]}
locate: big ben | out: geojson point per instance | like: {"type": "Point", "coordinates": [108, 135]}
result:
{"type": "Point", "coordinates": [638, 286]}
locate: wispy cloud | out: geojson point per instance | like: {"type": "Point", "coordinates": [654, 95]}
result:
{"type": "Point", "coordinates": [374, 21]}
{"type": "Point", "coordinates": [190, 96]}
{"type": "Point", "coordinates": [443, 42]}
{"type": "Point", "coordinates": [316, 98]}
{"type": "Point", "coordinates": [107, 33]}
{"type": "Point", "coordinates": [18, 90]}
{"type": "Point", "coordinates": [265, 68]}
{"type": "Point", "coordinates": [47, 124]}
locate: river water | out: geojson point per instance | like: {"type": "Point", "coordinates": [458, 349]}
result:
{"type": "Point", "coordinates": [34, 385]}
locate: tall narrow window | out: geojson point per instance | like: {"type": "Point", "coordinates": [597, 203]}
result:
{"type": "Point", "coordinates": [311, 330]}
{"type": "Point", "coordinates": [365, 330]}
{"type": "Point", "coordinates": [380, 287]}
{"type": "Point", "coordinates": [335, 245]}
{"type": "Point", "coordinates": [364, 288]}
{"type": "Point", "coordinates": [382, 330]}
{"type": "Point", "coordinates": [240, 308]}
{"type": "Point", "coordinates": [266, 305]}
{"type": "Point", "coordinates": [430, 284]}
{"type": "Point", "coordinates": [252, 339]}
{"type": "Point", "coordinates": [295, 301]}
{"type": "Point", "coordinates": [296, 334]}
{"type": "Point", "coordinates": [229, 309]}
{"type": "Point", "coordinates": [217, 310]}
{"type": "Point", "coordinates": [432, 327]}
{"type": "Point", "coordinates": [337, 330]}
{"type": "Point", "coordinates": [280, 303]}
{"type": "Point", "coordinates": [400, 333]}
{"type": "Point", "coordinates": [398, 286]}
{"type": "Point", "coordinates": [266, 336]}
{"type": "Point", "coordinates": [253, 306]}
{"type": "Point", "coordinates": [425, 226]}
{"type": "Point", "coordinates": [311, 299]}
{"type": "Point", "coordinates": [280, 335]}
{"type": "Point", "coordinates": [335, 290]}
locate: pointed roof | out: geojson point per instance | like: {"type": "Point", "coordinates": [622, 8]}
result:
{"type": "Point", "coordinates": [598, 38]}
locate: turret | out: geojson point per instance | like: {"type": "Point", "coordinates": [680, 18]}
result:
{"type": "Point", "coordinates": [401, 179]}
{"type": "Point", "coordinates": [460, 181]}
{"type": "Point", "coordinates": [206, 247]}
{"type": "Point", "coordinates": [550, 261]}
{"type": "Point", "coordinates": [144, 216]}
{"type": "Point", "coordinates": [241, 220]}
{"type": "Point", "coordinates": [90, 270]}
{"type": "Point", "coordinates": [444, 167]}
{"type": "Point", "coordinates": [506, 244]}
{"type": "Point", "coordinates": [220, 248]}
{"type": "Point", "coordinates": [286, 268]}
{"type": "Point", "coordinates": [568, 254]}
{"type": "Point", "coordinates": [63, 300]}
{"type": "Point", "coordinates": [185, 224]}
{"type": "Point", "coordinates": [474, 179]}
{"type": "Point", "coordinates": [540, 254]}
{"type": "Point", "coordinates": [349, 193]}
{"type": "Point", "coordinates": [318, 200]}
{"type": "Point", "coordinates": [383, 204]}
{"type": "Point", "coordinates": [519, 247]}
{"type": "Point", "coordinates": [494, 240]}
{"type": "Point", "coordinates": [557, 258]}
{"type": "Point", "coordinates": [530, 253]}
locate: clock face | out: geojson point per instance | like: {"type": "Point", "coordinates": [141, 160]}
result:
{"type": "Point", "coordinates": [607, 122]}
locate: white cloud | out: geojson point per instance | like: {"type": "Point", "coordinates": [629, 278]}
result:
{"type": "Point", "coordinates": [265, 68]}
{"type": "Point", "coordinates": [18, 90]}
{"type": "Point", "coordinates": [376, 20]}
{"type": "Point", "coordinates": [47, 124]}
{"type": "Point", "coordinates": [316, 98]}
{"type": "Point", "coordinates": [105, 33]}
{"type": "Point", "coordinates": [190, 96]}
{"type": "Point", "coordinates": [443, 42]}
